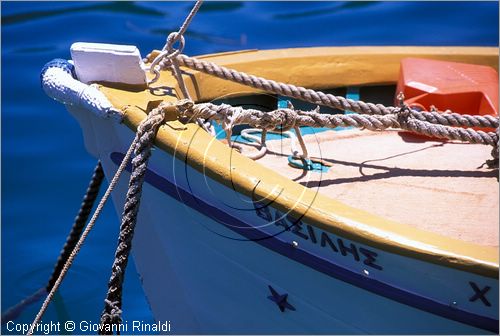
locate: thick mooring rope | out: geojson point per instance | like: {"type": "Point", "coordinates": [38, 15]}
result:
{"type": "Point", "coordinates": [82, 239]}
{"type": "Point", "coordinates": [445, 125]}
{"type": "Point", "coordinates": [76, 230]}
{"type": "Point", "coordinates": [146, 133]}
{"type": "Point", "coordinates": [377, 116]}
{"type": "Point", "coordinates": [13, 312]}
{"type": "Point", "coordinates": [329, 100]}
{"type": "Point", "coordinates": [230, 116]}
{"type": "Point", "coordinates": [79, 224]}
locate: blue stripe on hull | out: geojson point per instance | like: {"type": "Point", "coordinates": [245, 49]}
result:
{"type": "Point", "coordinates": [311, 260]}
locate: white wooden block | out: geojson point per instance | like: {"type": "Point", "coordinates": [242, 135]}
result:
{"type": "Point", "coordinates": [99, 62]}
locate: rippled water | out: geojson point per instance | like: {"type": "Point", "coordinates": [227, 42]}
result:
{"type": "Point", "coordinates": [45, 168]}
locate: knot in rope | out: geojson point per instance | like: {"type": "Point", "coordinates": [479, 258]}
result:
{"type": "Point", "coordinates": [284, 118]}
{"type": "Point", "coordinates": [183, 106]}
{"type": "Point", "coordinates": [231, 119]}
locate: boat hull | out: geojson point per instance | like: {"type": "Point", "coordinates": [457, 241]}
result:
{"type": "Point", "coordinates": [208, 255]}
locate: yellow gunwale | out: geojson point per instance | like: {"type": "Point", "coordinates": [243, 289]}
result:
{"type": "Point", "coordinates": [317, 68]}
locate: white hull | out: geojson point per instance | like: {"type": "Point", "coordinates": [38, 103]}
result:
{"type": "Point", "coordinates": [206, 277]}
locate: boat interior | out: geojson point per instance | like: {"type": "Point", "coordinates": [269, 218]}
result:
{"type": "Point", "coordinates": [433, 184]}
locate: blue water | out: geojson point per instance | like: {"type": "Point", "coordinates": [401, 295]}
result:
{"type": "Point", "coordinates": [45, 168]}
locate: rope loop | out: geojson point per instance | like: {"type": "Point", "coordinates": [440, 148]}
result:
{"type": "Point", "coordinates": [168, 53]}
{"type": "Point", "coordinates": [173, 38]}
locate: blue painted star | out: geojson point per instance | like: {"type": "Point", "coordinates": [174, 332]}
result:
{"type": "Point", "coordinates": [280, 300]}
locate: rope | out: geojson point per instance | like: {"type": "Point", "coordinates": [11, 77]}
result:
{"type": "Point", "coordinates": [247, 135]}
{"type": "Point", "coordinates": [76, 230]}
{"type": "Point", "coordinates": [169, 54]}
{"type": "Point", "coordinates": [493, 163]}
{"type": "Point", "coordinates": [230, 116]}
{"type": "Point", "coordinates": [168, 58]}
{"type": "Point", "coordinates": [13, 312]}
{"type": "Point", "coordinates": [190, 17]}
{"type": "Point", "coordinates": [441, 125]}
{"type": "Point", "coordinates": [84, 235]}
{"type": "Point", "coordinates": [79, 223]}
{"type": "Point", "coordinates": [433, 123]}
{"type": "Point", "coordinates": [146, 133]}
{"type": "Point", "coordinates": [337, 102]}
